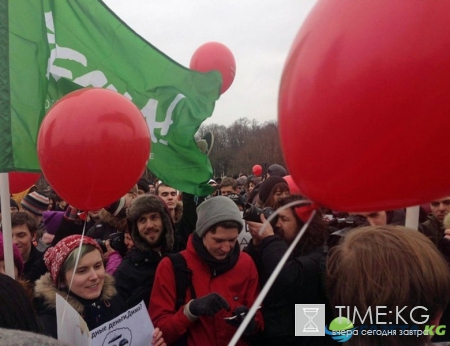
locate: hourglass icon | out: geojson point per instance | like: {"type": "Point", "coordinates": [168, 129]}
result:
{"type": "Point", "coordinates": [310, 327]}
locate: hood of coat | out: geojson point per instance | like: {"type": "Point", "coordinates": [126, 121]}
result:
{"type": "Point", "coordinates": [46, 289]}
{"type": "Point", "coordinates": [119, 223]}
{"type": "Point", "coordinates": [148, 204]}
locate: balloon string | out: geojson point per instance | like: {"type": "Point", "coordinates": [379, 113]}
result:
{"type": "Point", "coordinates": [73, 273]}
{"type": "Point", "coordinates": [275, 273]}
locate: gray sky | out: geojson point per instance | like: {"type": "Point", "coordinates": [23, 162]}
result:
{"type": "Point", "coordinates": [259, 33]}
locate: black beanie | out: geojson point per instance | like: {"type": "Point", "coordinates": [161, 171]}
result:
{"type": "Point", "coordinates": [267, 186]}
{"type": "Point", "coordinates": [277, 170]}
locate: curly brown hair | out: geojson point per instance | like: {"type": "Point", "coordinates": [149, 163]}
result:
{"type": "Point", "coordinates": [317, 232]}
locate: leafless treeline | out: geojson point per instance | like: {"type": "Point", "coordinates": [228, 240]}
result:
{"type": "Point", "coordinates": [242, 145]}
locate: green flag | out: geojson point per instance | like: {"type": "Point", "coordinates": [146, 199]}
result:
{"type": "Point", "coordinates": [49, 48]}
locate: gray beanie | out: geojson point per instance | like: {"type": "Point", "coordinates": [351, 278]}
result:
{"type": "Point", "coordinates": [215, 210]}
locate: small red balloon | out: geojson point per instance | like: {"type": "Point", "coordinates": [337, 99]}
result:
{"type": "Point", "coordinates": [93, 146]}
{"type": "Point", "coordinates": [364, 93]}
{"type": "Point", "coordinates": [215, 56]}
{"type": "Point", "coordinates": [257, 170]}
{"type": "Point", "coordinates": [20, 181]}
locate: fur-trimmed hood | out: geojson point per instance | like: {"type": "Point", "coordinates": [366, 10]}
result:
{"type": "Point", "coordinates": [46, 290]}
{"type": "Point", "coordinates": [146, 204]}
{"type": "Point", "coordinates": [119, 223]}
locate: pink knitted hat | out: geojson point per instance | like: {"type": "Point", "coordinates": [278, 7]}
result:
{"type": "Point", "coordinates": [55, 257]}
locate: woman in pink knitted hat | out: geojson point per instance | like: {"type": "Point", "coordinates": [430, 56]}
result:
{"type": "Point", "coordinates": [86, 287]}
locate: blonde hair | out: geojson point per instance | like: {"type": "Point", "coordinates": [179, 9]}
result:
{"type": "Point", "coordinates": [390, 266]}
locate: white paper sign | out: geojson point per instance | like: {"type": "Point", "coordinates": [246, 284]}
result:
{"type": "Point", "coordinates": [132, 328]}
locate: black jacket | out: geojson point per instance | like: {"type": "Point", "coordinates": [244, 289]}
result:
{"type": "Point", "coordinates": [299, 282]}
{"type": "Point", "coordinates": [30, 269]}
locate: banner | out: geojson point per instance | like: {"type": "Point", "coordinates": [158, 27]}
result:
{"type": "Point", "coordinates": [49, 48]}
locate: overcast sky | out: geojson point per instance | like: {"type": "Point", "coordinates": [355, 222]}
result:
{"type": "Point", "coordinates": [259, 33]}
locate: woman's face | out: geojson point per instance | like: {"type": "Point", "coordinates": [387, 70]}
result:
{"type": "Point", "coordinates": [279, 194]}
{"type": "Point", "coordinates": [128, 241]}
{"type": "Point", "coordinates": [251, 186]}
{"type": "Point", "coordinates": [88, 277]}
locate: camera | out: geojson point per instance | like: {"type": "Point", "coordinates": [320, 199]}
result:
{"type": "Point", "coordinates": [344, 225]}
{"type": "Point", "coordinates": [350, 221]}
{"type": "Point", "coordinates": [116, 241]}
{"type": "Point", "coordinates": [252, 212]}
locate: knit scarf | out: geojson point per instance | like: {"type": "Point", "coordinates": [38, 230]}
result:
{"type": "Point", "coordinates": [216, 266]}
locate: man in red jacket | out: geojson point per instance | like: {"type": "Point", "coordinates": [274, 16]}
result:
{"type": "Point", "coordinates": [224, 279]}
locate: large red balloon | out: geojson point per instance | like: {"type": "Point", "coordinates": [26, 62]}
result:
{"type": "Point", "coordinates": [20, 181]}
{"type": "Point", "coordinates": [215, 56]}
{"type": "Point", "coordinates": [364, 104]}
{"type": "Point", "coordinates": [93, 146]}
{"type": "Point", "coordinates": [257, 170]}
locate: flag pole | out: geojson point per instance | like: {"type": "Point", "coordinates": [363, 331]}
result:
{"type": "Point", "coordinates": [6, 225]}
{"type": "Point", "coordinates": [412, 217]}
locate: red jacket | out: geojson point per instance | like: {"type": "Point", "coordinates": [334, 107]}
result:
{"type": "Point", "coordinates": [239, 286]}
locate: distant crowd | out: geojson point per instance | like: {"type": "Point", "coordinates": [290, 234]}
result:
{"type": "Point", "coordinates": [199, 262]}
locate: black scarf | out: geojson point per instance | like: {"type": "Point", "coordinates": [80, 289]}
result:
{"type": "Point", "coordinates": [216, 266]}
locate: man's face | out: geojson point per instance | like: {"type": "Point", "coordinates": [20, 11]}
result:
{"type": "Point", "coordinates": [129, 196]}
{"type": "Point", "coordinates": [22, 238]}
{"type": "Point", "coordinates": [227, 190]}
{"type": "Point", "coordinates": [150, 227]}
{"type": "Point", "coordinates": [151, 189]}
{"type": "Point", "coordinates": [94, 214]}
{"type": "Point", "coordinates": [375, 218]}
{"type": "Point", "coordinates": [287, 226]}
{"type": "Point", "coordinates": [221, 243]}
{"type": "Point", "coordinates": [169, 195]}
{"type": "Point", "coordinates": [440, 208]}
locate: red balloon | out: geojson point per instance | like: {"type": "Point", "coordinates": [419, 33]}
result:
{"type": "Point", "coordinates": [257, 170]}
{"type": "Point", "coordinates": [20, 181]}
{"type": "Point", "coordinates": [215, 56]}
{"type": "Point", "coordinates": [93, 146]}
{"type": "Point", "coordinates": [363, 100]}
{"type": "Point", "coordinates": [293, 188]}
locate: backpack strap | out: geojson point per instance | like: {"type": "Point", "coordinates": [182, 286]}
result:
{"type": "Point", "coordinates": [183, 279]}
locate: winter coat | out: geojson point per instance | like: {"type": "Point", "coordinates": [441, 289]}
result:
{"type": "Point", "coordinates": [30, 269]}
{"type": "Point", "coordinates": [433, 229]}
{"type": "Point", "coordinates": [239, 286]}
{"type": "Point", "coordinates": [299, 282]}
{"type": "Point", "coordinates": [136, 274]}
{"type": "Point", "coordinates": [107, 225]}
{"type": "Point", "coordinates": [95, 312]}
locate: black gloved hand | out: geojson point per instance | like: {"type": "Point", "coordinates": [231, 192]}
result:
{"type": "Point", "coordinates": [208, 305]}
{"type": "Point", "coordinates": [240, 312]}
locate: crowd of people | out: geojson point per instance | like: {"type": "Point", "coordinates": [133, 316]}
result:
{"type": "Point", "coordinates": [199, 262]}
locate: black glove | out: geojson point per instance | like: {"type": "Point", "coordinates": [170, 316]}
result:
{"type": "Point", "coordinates": [208, 305]}
{"type": "Point", "coordinates": [240, 312]}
